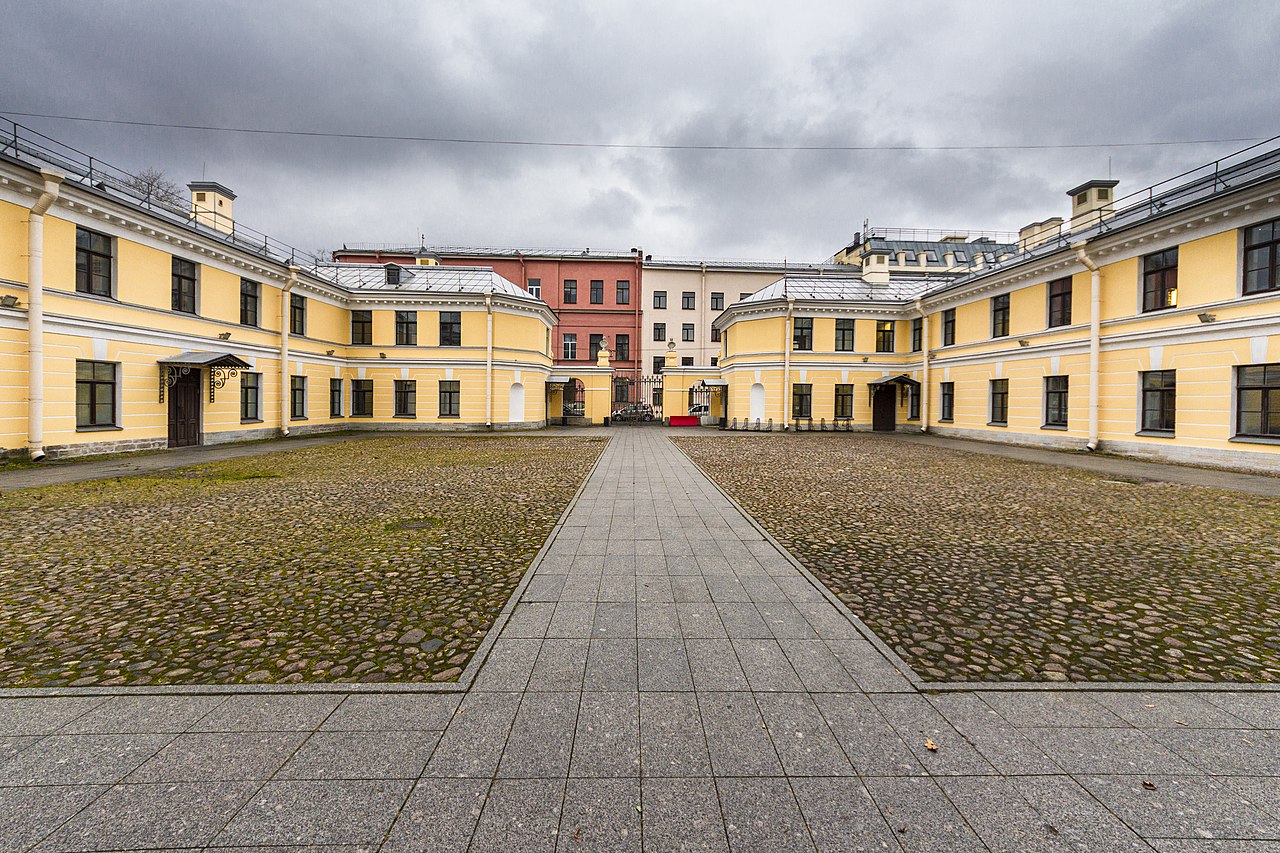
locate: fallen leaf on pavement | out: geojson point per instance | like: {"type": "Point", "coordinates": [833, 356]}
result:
{"type": "Point", "coordinates": [930, 745]}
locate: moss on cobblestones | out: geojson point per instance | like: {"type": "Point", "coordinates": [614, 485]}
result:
{"type": "Point", "coordinates": [378, 560]}
{"type": "Point", "coordinates": [974, 567]}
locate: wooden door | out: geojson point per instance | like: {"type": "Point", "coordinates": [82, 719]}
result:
{"type": "Point", "coordinates": [884, 408]}
{"type": "Point", "coordinates": [184, 411]}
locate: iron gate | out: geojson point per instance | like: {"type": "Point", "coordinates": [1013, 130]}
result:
{"type": "Point", "coordinates": [637, 400]}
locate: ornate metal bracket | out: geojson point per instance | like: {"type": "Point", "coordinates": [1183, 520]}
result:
{"type": "Point", "coordinates": [218, 377]}
{"type": "Point", "coordinates": [170, 374]}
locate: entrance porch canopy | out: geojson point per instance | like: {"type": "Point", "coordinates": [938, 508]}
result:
{"type": "Point", "coordinates": [222, 366]}
{"type": "Point", "coordinates": [902, 380]}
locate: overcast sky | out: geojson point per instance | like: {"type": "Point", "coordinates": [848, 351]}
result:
{"type": "Point", "coordinates": [741, 73]}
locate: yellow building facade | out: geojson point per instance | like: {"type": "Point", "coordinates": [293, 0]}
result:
{"type": "Point", "coordinates": [127, 327]}
{"type": "Point", "coordinates": [1151, 329]}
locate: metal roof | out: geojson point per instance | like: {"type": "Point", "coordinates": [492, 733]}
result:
{"type": "Point", "coordinates": [421, 279]}
{"type": "Point", "coordinates": [205, 359]}
{"type": "Point", "coordinates": [830, 288]}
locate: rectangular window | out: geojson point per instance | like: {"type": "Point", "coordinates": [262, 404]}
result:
{"type": "Point", "coordinates": [184, 286]}
{"type": "Point", "coordinates": [659, 331]}
{"type": "Point", "coordinates": [884, 336]}
{"type": "Point", "coordinates": [406, 328]}
{"type": "Point", "coordinates": [1059, 302]}
{"type": "Point", "coordinates": [1159, 403]}
{"type": "Point", "coordinates": [450, 328]}
{"type": "Point", "coordinates": [250, 396]}
{"type": "Point", "coordinates": [450, 399]}
{"type": "Point", "coordinates": [715, 361]}
{"type": "Point", "coordinates": [392, 275]}
{"type": "Point", "coordinates": [947, 401]}
{"type": "Point", "coordinates": [948, 327]}
{"type": "Point", "coordinates": [686, 361]}
{"type": "Point", "coordinates": [361, 328]}
{"type": "Point", "coordinates": [622, 348]}
{"type": "Point", "coordinates": [844, 402]}
{"type": "Point", "coordinates": [250, 300]}
{"type": "Point", "coordinates": [1258, 396]}
{"type": "Point", "coordinates": [742, 296]}
{"type": "Point", "coordinates": [95, 394]}
{"type": "Point", "coordinates": [570, 346]}
{"type": "Point", "coordinates": [570, 291]}
{"type": "Point", "coordinates": [1160, 280]}
{"type": "Point", "coordinates": [802, 334]}
{"type": "Point", "coordinates": [717, 301]}
{"type": "Point", "coordinates": [1000, 401]}
{"type": "Point", "coordinates": [622, 293]}
{"type": "Point", "coordinates": [1000, 316]}
{"type": "Point", "coordinates": [335, 398]}
{"type": "Point", "coordinates": [297, 397]}
{"type": "Point", "coordinates": [659, 299]}
{"type": "Point", "coordinates": [801, 401]}
{"type": "Point", "coordinates": [406, 402]}
{"type": "Point", "coordinates": [913, 403]}
{"type": "Point", "coordinates": [597, 292]}
{"type": "Point", "coordinates": [715, 335]}
{"type": "Point", "coordinates": [917, 334]}
{"type": "Point", "coordinates": [593, 346]}
{"type": "Point", "coordinates": [534, 286]}
{"type": "Point", "coordinates": [1055, 401]}
{"type": "Point", "coordinates": [1261, 257]}
{"type": "Point", "coordinates": [844, 335]}
{"type": "Point", "coordinates": [297, 314]}
{"type": "Point", "coordinates": [686, 332]}
{"type": "Point", "coordinates": [658, 363]}
{"type": "Point", "coordinates": [93, 262]}
{"type": "Point", "coordinates": [688, 300]}
{"type": "Point", "coordinates": [361, 398]}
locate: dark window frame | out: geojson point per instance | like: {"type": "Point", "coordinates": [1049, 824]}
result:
{"type": "Point", "coordinates": [885, 336]}
{"type": "Point", "coordinates": [1160, 280]}
{"type": "Point", "coordinates": [1267, 390]}
{"type": "Point", "coordinates": [717, 301]}
{"type": "Point", "coordinates": [1159, 400]}
{"type": "Point", "coordinates": [185, 291]}
{"type": "Point", "coordinates": [335, 398]}
{"type": "Point", "coordinates": [687, 332]}
{"type": "Point", "coordinates": [622, 347]}
{"type": "Point", "coordinates": [1057, 393]}
{"type": "Point", "coordinates": [659, 331]}
{"type": "Point", "coordinates": [843, 409]}
{"type": "Point", "coordinates": [1266, 247]}
{"type": "Point", "coordinates": [297, 398]}
{"type": "Point", "coordinates": [406, 328]}
{"type": "Point", "coordinates": [946, 402]}
{"type": "Point", "coordinates": [949, 327]}
{"type": "Point", "coordinates": [594, 344]}
{"type": "Point", "coordinates": [100, 389]}
{"type": "Point", "coordinates": [569, 294]}
{"type": "Point", "coordinates": [1000, 316]}
{"type": "Point", "coordinates": [802, 334]}
{"type": "Point", "coordinates": [361, 398]}
{"type": "Point", "coordinates": [596, 291]}
{"type": "Point", "coordinates": [361, 328]}
{"type": "Point", "coordinates": [802, 401]}
{"type": "Point", "coordinates": [405, 393]}
{"type": "Point", "coordinates": [659, 299]}
{"type": "Point", "coordinates": [87, 281]}
{"type": "Point", "coordinates": [688, 300]}
{"type": "Point", "coordinates": [1060, 294]}
{"type": "Point", "coordinates": [450, 396]}
{"type": "Point", "coordinates": [845, 334]}
{"type": "Point", "coordinates": [450, 328]}
{"type": "Point", "coordinates": [998, 405]}
{"type": "Point", "coordinates": [250, 303]}
{"type": "Point", "coordinates": [297, 314]}
{"type": "Point", "coordinates": [917, 334]}
{"type": "Point", "coordinates": [715, 335]}
{"type": "Point", "coordinates": [250, 397]}
{"type": "Point", "coordinates": [622, 291]}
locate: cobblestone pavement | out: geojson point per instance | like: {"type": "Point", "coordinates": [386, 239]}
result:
{"type": "Point", "coordinates": [668, 681]}
{"type": "Point", "coordinates": [975, 568]}
{"type": "Point", "coordinates": [378, 560]}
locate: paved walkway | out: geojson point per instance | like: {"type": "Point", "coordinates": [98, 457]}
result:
{"type": "Point", "coordinates": [667, 682]}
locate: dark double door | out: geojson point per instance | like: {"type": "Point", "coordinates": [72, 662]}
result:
{"type": "Point", "coordinates": [184, 411]}
{"type": "Point", "coordinates": [884, 408]}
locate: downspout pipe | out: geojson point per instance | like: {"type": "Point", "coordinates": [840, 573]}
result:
{"type": "Point", "coordinates": [786, 365]}
{"type": "Point", "coordinates": [924, 344]}
{"type": "Point", "coordinates": [1095, 337]}
{"type": "Point", "coordinates": [488, 361]}
{"type": "Point", "coordinates": [284, 348]}
{"type": "Point", "coordinates": [35, 313]}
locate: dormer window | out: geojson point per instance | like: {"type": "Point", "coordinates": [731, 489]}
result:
{"type": "Point", "coordinates": [1083, 197]}
{"type": "Point", "coordinates": [393, 276]}
{"type": "Point", "coordinates": [1104, 194]}
{"type": "Point", "coordinates": [199, 196]}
